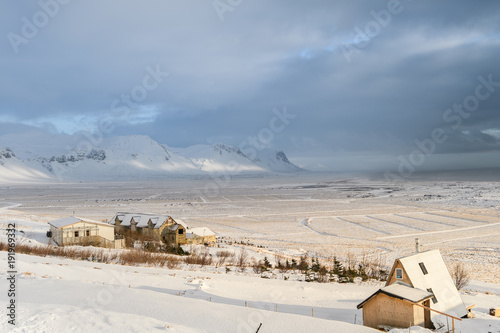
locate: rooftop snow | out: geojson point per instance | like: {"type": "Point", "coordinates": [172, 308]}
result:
{"type": "Point", "coordinates": [202, 231]}
{"type": "Point", "coordinates": [140, 218]}
{"type": "Point", "coordinates": [402, 291]}
{"type": "Point", "coordinates": [72, 220]}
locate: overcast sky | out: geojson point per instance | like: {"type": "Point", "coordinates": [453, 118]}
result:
{"type": "Point", "coordinates": [359, 82]}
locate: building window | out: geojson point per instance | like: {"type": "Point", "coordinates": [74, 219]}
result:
{"type": "Point", "coordinates": [434, 299]}
{"type": "Point", "coordinates": [181, 231]}
{"type": "Point", "coordinates": [399, 273]}
{"type": "Point", "coordinates": [76, 233]}
{"type": "Point", "coordinates": [422, 267]}
{"type": "Point", "coordinates": [88, 233]}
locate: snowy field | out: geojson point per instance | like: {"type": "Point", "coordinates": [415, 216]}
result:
{"type": "Point", "coordinates": [318, 215]}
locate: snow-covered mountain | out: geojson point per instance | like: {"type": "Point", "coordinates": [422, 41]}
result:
{"type": "Point", "coordinates": [13, 170]}
{"type": "Point", "coordinates": [223, 158]}
{"type": "Point", "coordinates": [138, 156]}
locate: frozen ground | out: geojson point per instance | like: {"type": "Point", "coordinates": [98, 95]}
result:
{"type": "Point", "coordinates": [315, 214]}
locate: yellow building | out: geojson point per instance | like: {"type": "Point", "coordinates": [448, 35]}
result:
{"type": "Point", "coordinates": [176, 234]}
{"type": "Point", "coordinates": [162, 228]}
{"type": "Point", "coordinates": [156, 226]}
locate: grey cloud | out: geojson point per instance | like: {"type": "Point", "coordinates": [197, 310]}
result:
{"type": "Point", "coordinates": [226, 77]}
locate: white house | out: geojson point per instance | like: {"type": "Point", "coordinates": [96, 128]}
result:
{"type": "Point", "coordinates": [427, 271]}
{"type": "Point", "coordinates": [77, 231]}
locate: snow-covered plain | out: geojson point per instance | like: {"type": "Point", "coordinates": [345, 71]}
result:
{"type": "Point", "coordinates": [320, 215]}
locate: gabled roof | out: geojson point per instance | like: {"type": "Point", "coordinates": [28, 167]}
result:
{"type": "Point", "coordinates": [437, 278]}
{"type": "Point", "coordinates": [67, 221]}
{"type": "Point", "coordinates": [202, 231]}
{"type": "Point", "coordinates": [141, 219]}
{"type": "Point", "coordinates": [401, 290]}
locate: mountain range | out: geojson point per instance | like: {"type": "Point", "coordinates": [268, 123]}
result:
{"type": "Point", "coordinates": [132, 157]}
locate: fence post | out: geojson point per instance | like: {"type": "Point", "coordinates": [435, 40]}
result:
{"type": "Point", "coordinates": [245, 304]}
{"type": "Point", "coordinates": [355, 315]}
{"type": "Point", "coordinates": [312, 312]}
{"type": "Point", "coordinates": [276, 307]}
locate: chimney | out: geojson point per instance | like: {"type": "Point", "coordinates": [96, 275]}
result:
{"type": "Point", "coordinates": [417, 246]}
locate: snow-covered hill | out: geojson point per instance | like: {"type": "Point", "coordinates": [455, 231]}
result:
{"type": "Point", "coordinates": [138, 156]}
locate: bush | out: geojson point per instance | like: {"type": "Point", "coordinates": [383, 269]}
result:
{"type": "Point", "coordinates": [130, 257]}
{"type": "Point", "coordinates": [199, 257]}
{"type": "Point", "coordinates": [460, 276]}
{"type": "Point", "coordinates": [222, 257]}
{"type": "Point", "coordinates": [259, 267]}
{"type": "Point", "coordinates": [241, 259]}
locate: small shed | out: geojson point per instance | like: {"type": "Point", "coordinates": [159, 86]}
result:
{"type": "Point", "coordinates": [395, 306]}
{"type": "Point", "coordinates": [77, 231]}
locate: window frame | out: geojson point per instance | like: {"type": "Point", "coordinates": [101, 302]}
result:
{"type": "Point", "coordinates": [77, 234]}
{"type": "Point", "coordinates": [423, 268]}
{"type": "Point", "coordinates": [399, 276]}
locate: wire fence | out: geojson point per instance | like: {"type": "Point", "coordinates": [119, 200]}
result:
{"type": "Point", "coordinates": [352, 316]}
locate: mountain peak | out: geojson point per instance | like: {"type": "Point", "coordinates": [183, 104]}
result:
{"type": "Point", "coordinates": [6, 153]}
{"type": "Point", "coordinates": [220, 148]}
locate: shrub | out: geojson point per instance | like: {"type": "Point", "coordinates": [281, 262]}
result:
{"type": "Point", "coordinates": [241, 259]}
{"type": "Point", "coordinates": [222, 256]}
{"type": "Point", "coordinates": [258, 267]}
{"type": "Point", "coordinates": [460, 276]}
{"type": "Point", "coordinates": [199, 257]}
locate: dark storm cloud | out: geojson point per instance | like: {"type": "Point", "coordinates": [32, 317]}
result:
{"type": "Point", "coordinates": [226, 77]}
